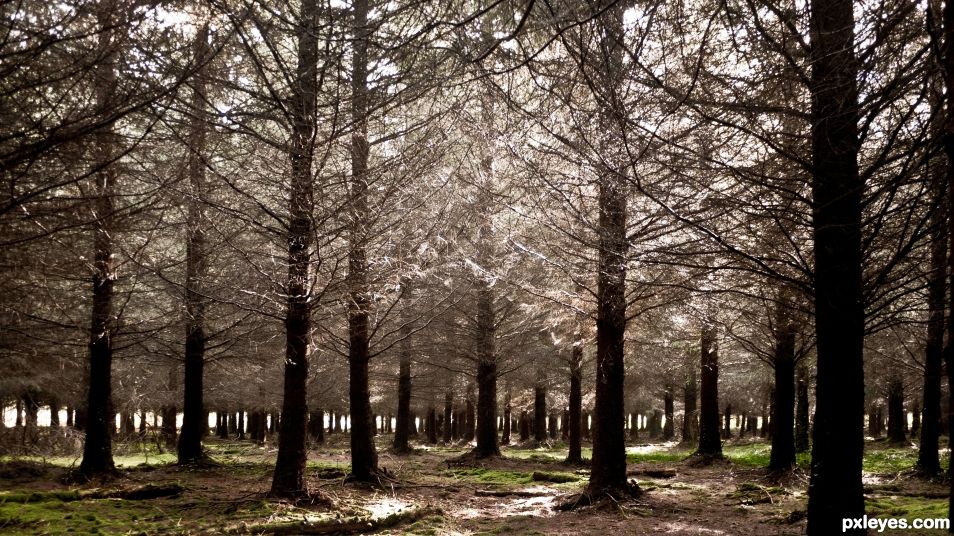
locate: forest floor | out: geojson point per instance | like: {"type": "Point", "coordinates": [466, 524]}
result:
{"type": "Point", "coordinates": [515, 494]}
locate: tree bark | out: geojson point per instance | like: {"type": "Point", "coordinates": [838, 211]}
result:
{"type": "Point", "coordinates": [190, 439]}
{"type": "Point", "coordinates": [575, 432]}
{"type": "Point", "coordinates": [896, 416]}
{"type": "Point", "coordinates": [403, 431]}
{"type": "Point", "coordinates": [801, 411]}
{"type": "Point", "coordinates": [364, 456]}
{"type": "Point", "coordinates": [690, 422]}
{"type": "Point", "coordinates": [608, 472]}
{"type": "Point", "coordinates": [487, 445]}
{"type": "Point", "coordinates": [448, 416]}
{"type": "Point", "coordinates": [539, 411]}
{"type": "Point", "coordinates": [289, 476]}
{"type": "Point", "coordinates": [710, 440]}
{"type": "Point", "coordinates": [669, 429]}
{"type": "Point", "coordinates": [835, 488]}
{"type": "Point", "coordinates": [783, 436]}
{"type": "Point", "coordinates": [98, 448]}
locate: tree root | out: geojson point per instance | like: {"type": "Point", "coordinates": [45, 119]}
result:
{"type": "Point", "coordinates": [609, 496]}
{"type": "Point", "coordinates": [380, 478]}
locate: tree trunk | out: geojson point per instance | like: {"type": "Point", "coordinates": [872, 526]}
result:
{"type": "Point", "coordinates": [710, 441]}
{"type": "Point", "coordinates": [486, 368]}
{"type": "Point", "coordinates": [896, 416]}
{"type": "Point", "coordinates": [190, 439]}
{"type": "Point", "coordinates": [928, 459]}
{"type": "Point", "coordinates": [288, 479]}
{"type": "Point", "coordinates": [575, 426]}
{"type": "Point", "coordinates": [783, 419]}
{"type": "Point", "coordinates": [524, 425]}
{"type": "Point", "coordinates": [669, 429]}
{"type": "Point", "coordinates": [431, 425]}
{"type": "Point", "coordinates": [448, 416]}
{"type": "Point", "coordinates": [690, 422]}
{"type": "Point", "coordinates": [98, 447]}
{"type": "Point", "coordinates": [364, 457]}
{"type": "Point", "coordinates": [470, 419]}
{"type": "Point", "coordinates": [403, 431]}
{"type": "Point", "coordinates": [801, 411]}
{"type": "Point", "coordinates": [55, 413]}
{"type": "Point", "coordinates": [507, 420]}
{"type": "Point", "coordinates": [835, 488]}
{"type": "Point", "coordinates": [539, 412]}
{"type": "Point", "coordinates": [727, 429]}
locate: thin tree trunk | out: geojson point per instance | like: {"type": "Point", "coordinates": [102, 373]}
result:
{"type": "Point", "coordinates": [448, 416]}
{"type": "Point", "coordinates": [801, 411]}
{"type": "Point", "coordinates": [486, 363]}
{"type": "Point", "coordinates": [896, 416]}
{"type": "Point", "coordinates": [575, 425]}
{"type": "Point", "coordinates": [288, 479]}
{"type": "Point", "coordinates": [403, 431]}
{"type": "Point", "coordinates": [835, 488]}
{"type": "Point", "coordinates": [783, 436]}
{"type": "Point", "coordinates": [690, 422]}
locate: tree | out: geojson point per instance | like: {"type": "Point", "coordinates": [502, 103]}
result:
{"type": "Point", "coordinates": [835, 490]}
{"type": "Point", "coordinates": [289, 477]}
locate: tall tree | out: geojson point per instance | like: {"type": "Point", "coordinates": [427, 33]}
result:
{"type": "Point", "coordinates": [193, 414]}
{"type": "Point", "coordinates": [608, 472]}
{"type": "Point", "coordinates": [364, 456]}
{"type": "Point", "coordinates": [289, 476]}
{"type": "Point", "coordinates": [835, 489]}
{"type": "Point", "coordinates": [97, 449]}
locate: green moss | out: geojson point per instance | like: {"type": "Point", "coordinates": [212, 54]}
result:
{"type": "Point", "coordinates": [891, 460]}
{"type": "Point", "coordinates": [906, 507]}
{"type": "Point", "coordinates": [51, 516]}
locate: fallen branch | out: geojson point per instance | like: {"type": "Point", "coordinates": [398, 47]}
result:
{"type": "Point", "coordinates": [340, 526]}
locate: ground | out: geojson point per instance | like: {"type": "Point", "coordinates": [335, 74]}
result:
{"type": "Point", "coordinates": [431, 494]}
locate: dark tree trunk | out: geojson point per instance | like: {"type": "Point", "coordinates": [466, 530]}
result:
{"type": "Point", "coordinates": [564, 423]}
{"type": "Point", "coordinates": [783, 407]}
{"type": "Point", "coordinates": [289, 476]}
{"type": "Point", "coordinates": [539, 412]}
{"type": "Point", "coordinates": [633, 426]}
{"type": "Point", "coordinates": [835, 488]}
{"type": "Point", "coordinates": [710, 442]}
{"type": "Point", "coordinates": [448, 416]}
{"type": "Point", "coordinates": [915, 420]}
{"type": "Point", "coordinates": [585, 424]}
{"type": "Point", "coordinates": [727, 429]}
{"type": "Point", "coordinates": [364, 456]}
{"type": "Point", "coordinates": [928, 459]}
{"type": "Point", "coordinates": [470, 420]}
{"type": "Point", "coordinates": [70, 422]}
{"type": "Point", "coordinates": [190, 439]}
{"type": "Point", "coordinates": [241, 425]}
{"type": "Point", "coordinates": [896, 416]}
{"type": "Point", "coordinates": [801, 411]}
{"type": "Point", "coordinates": [55, 413]}
{"type": "Point", "coordinates": [575, 425]}
{"type": "Point", "coordinates": [507, 420]}
{"type": "Point", "coordinates": [690, 422]}
{"type": "Point", "coordinates": [552, 428]}
{"type": "Point", "coordinates": [232, 423]}
{"type": "Point", "coordinates": [168, 430]}
{"type": "Point", "coordinates": [669, 429]}
{"type": "Point", "coordinates": [98, 447]}
{"type": "Point", "coordinates": [486, 370]}
{"type": "Point", "coordinates": [608, 470]}
{"type": "Point", "coordinates": [524, 426]}
{"type": "Point", "coordinates": [431, 425]}
{"type": "Point", "coordinates": [403, 431]}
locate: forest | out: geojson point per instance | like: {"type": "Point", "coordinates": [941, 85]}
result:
{"type": "Point", "coordinates": [475, 267]}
